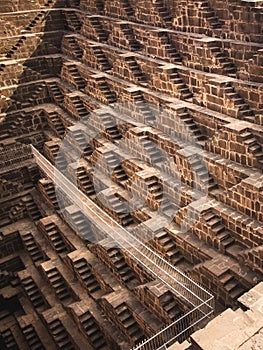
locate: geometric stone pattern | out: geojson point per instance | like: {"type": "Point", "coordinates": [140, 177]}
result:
{"type": "Point", "coordinates": [60, 61]}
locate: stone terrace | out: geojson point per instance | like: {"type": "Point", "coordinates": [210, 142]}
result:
{"type": "Point", "coordinates": [154, 110]}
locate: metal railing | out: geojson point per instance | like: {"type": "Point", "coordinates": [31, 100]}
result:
{"type": "Point", "coordinates": [199, 301]}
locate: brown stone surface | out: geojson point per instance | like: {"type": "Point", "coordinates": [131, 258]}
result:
{"type": "Point", "coordinates": [186, 78]}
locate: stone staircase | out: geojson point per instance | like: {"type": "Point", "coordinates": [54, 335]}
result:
{"type": "Point", "coordinates": [169, 50]}
{"type": "Point", "coordinates": [151, 150]}
{"type": "Point", "coordinates": [104, 87]}
{"type": "Point", "coordinates": [77, 80]}
{"type": "Point", "coordinates": [115, 260]}
{"type": "Point", "coordinates": [59, 284]}
{"type": "Point", "coordinates": [124, 320]}
{"type": "Point", "coordinates": [182, 90]}
{"type": "Point", "coordinates": [166, 246]}
{"type": "Point", "coordinates": [54, 236]}
{"type": "Point", "coordinates": [79, 107]}
{"type": "Point", "coordinates": [93, 331]}
{"type": "Point", "coordinates": [203, 180]}
{"type": "Point", "coordinates": [165, 15]}
{"type": "Point", "coordinates": [85, 183]}
{"type": "Point", "coordinates": [170, 306]}
{"type": "Point", "coordinates": [32, 208]}
{"type": "Point", "coordinates": [55, 92]}
{"type": "Point", "coordinates": [71, 47]}
{"type": "Point", "coordinates": [86, 276]}
{"type": "Point", "coordinates": [39, 17]}
{"type": "Point", "coordinates": [9, 339]}
{"type": "Point", "coordinates": [56, 124]}
{"type": "Point", "coordinates": [190, 124]}
{"type": "Point", "coordinates": [48, 190]}
{"type": "Point", "coordinates": [253, 146]}
{"type": "Point", "coordinates": [231, 285]}
{"type": "Point", "coordinates": [228, 67]}
{"type": "Point", "coordinates": [32, 247]}
{"type": "Point", "coordinates": [118, 174]}
{"type": "Point", "coordinates": [32, 339]}
{"type": "Point", "coordinates": [134, 67]}
{"type": "Point", "coordinates": [73, 21]}
{"type": "Point", "coordinates": [222, 237]}
{"type": "Point", "coordinates": [109, 127]}
{"type": "Point", "coordinates": [79, 223]}
{"type": "Point", "coordinates": [60, 335]}
{"type": "Point", "coordinates": [101, 58]}
{"type": "Point", "coordinates": [243, 109]}
{"type": "Point", "coordinates": [32, 292]}
{"type": "Point", "coordinates": [36, 95]}
{"type": "Point", "coordinates": [126, 6]}
{"type": "Point", "coordinates": [115, 207]}
{"type": "Point", "coordinates": [16, 47]}
{"type": "Point", "coordinates": [129, 36]}
{"type": "Point", "coordinates": [209, 15]}
{"type": "Point", "coordinates": [97, 26]}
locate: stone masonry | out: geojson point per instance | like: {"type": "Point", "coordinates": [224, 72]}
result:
{"type": "Point", "coordinates": [154, 110]}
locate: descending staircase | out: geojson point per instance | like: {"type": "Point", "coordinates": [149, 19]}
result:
{"type": "Point", "coordinates": [32, 247]}
{"type": "Point", "coordinates": [182, 89]}
{"type": "Point", "coordinates": [139, 77]}
{"type": "Point", "coordinates": [32, 338]}
{"type": "Point", "coordinates": [163, 12]}
{"type": "Point", "coordinates": [129, 12]}
{"type": "Point", "coordinates": [164, 244]}
{"type": "Point", "coordinates": [203, 180]}
{"type": "Point", "coordinates": [169, 49]}
{"type": "Point", "coordinates": [102, 60]}
{"type": "Point", "coordinates": [39, 17]}
{"type": "Point", "coordinates": [100, 32]}
{"type": "Point", "coordinates": [244, 111]}
{"type": "Point", "coordinates": [228, 67]}
{"type": "Point", "coordinates": [191, 126]}
{"type": "Point", "coordinates": [170, 306]}
{"type": "Point", "coordinates": [56, 124]}
{"type": "Point", "coordinates": [253, 146]}
{"type": "Point", "coordinates": [123, 270]}
{"type": "Point", "coordinates": [60, 286]}
{"type": "Point", "coordinates": [78, 138]}
{"type": "Point", "coordinates": [16, 47]}
{"type": "Point", "coordinates": [223, 237]}
{"type": "Point", "coordinates": [35, 96]}
{"type": "Point", "coordinates": [70, 47]}
{"type": "Point", "coordinates": [109, 127]}
{"type": "Point", "coordinates": [80, 224]}
{"type": "Point", "coordinates": [47, 187]}
{"type": "Point", "coordinates": [231, 285]}
{"type": "Point", "coordinates": [129, 36]}
{"type": "Point", "coordinates": [117, 172]}
{"type": "Point", "coordinates": [86, 276]}
{"type": "Point", "coordinates": [209, 15]}
{"type": "Point", "coordinates": [9, 339]}
{"type": "Point", "coordinates": [128, 323]}
{"type": "Point", "coordinates": [73, 21]}
{"type": "Point", "coordinates": [117, 210]}
{"type": "Point", "coordinates": [55, 237]}
{"type": "Point", "coordinates": [105, 89]}
{"type": "Point", "coordinates": [93, 331]}
{"type": "Point", "coordinates": [55, 92]}
{"type": "Point", "coordinates": [33, 293]}
{"type": "Point", "coordinates": [85, 183]}
{"type": "Point", "coordinates": [151, 150]}
{"type": "Point", "coordinates": [79, 82]}
{"type": "Point", "coordinates": [79, 107]}
{"type": "Point", "coordinates": [60, 335]}
{"type": "Point", "coordinates": [32, 208]}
